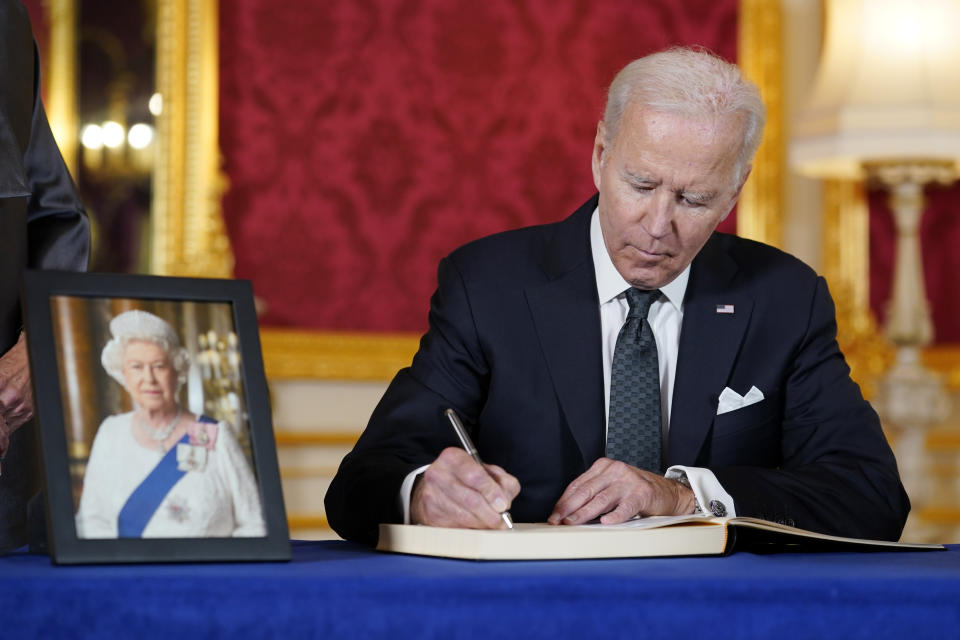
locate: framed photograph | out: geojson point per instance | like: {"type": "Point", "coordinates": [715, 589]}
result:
{"type": "Point", "coordinates": [154, 419]}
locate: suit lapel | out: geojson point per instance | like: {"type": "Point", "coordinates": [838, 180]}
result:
{"type": "Point", "coordinates": [709, 342]}
{"type": "Point", "coordinates": [566, 315]}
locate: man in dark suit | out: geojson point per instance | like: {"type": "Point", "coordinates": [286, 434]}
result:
{"type": "Point", "coordinates": [42, 226]}
{"type": "Point", "coordinates": [755, 413]}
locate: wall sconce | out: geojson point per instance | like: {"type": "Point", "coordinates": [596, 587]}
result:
{"type": "Point", "coordinates": [886, 106]}
{"type": "Point", "coordinates": [109, 148]}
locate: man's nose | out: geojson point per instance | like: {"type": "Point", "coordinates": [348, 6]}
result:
{"type": "Point", "coordinates": [657, 217]}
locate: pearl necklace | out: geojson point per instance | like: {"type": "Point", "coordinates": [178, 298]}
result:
{"type": "Point", "coordinates": [159, 435]}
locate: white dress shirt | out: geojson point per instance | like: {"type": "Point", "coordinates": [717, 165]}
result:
{"type": "Point", "coordinates": [666, 319]}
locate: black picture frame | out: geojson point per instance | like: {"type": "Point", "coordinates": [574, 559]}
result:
{"type": "Point", "coordinates": [45, 290]}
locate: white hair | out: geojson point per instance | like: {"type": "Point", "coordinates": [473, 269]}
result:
{"type": "Point", "coordinates": [141, 325]}
{"type": "Point", "coordinates": [691, 82]}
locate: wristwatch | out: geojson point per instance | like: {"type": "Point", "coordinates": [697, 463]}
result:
{"type": "Point", "coordinates": [717, 508]}
{"type": "Point", "coordinates": [685, 481]}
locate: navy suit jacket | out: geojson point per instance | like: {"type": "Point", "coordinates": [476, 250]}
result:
{"type": "Point", "coordinates": [514, 347]}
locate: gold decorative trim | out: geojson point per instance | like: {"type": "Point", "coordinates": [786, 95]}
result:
{"type": "Point", "coordinates": [188, 233]}
{"type": "Point", "coordinates": [939, 515]}
{"type": "Point", "coordinates": [846, 226]}
{"type": "Point", "coordinates": [760, 55]}
{"type": "Point", "coordinates": [945, 360]}
{"type": "Point", "coordinates": [61, 79]}
{"type": "Point", "coordinates": [307, 521]}
{"type": "Point", "coordinates": [943, 440]}
{"type": "Point", "coordinates": [292, 354]}
{"type": "Point", "coordinates": [289, 438]}
{"type": "Point", "coordinates": [846, 266]}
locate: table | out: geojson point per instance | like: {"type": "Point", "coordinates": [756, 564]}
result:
{"type": "Point", "coordinates": [335, 589]}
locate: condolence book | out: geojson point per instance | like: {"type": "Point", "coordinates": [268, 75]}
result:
{"type": "Point", "coordinates": [642, 537]}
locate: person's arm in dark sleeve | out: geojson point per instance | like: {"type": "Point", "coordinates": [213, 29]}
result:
{"type": "Point", "coordinates": [837, 474]}
{"type": "Point", "coordinates": [58, 237]}
{"type": "Point", "coordinates": [58, 231]}
{"type": "Point", "coordinates": [407, 429]}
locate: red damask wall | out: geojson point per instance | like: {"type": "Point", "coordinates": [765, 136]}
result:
{"type": "Point", "coordinates": [365, 139]}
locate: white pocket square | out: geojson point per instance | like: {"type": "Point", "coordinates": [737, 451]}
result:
{"type": "Point", "coordinates": [730, 400]}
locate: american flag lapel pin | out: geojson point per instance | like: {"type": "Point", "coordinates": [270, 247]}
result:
{"type": "Point", "coordinates": [725, 308]}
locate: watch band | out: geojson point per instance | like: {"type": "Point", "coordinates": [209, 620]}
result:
{"type": "Point", "coordinates": [682, 479]}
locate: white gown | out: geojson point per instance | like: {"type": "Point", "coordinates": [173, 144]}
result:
{"type": "Point", "coordinates": [221, 501]}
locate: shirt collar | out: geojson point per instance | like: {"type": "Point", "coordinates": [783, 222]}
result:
{"type": "Point", "coordinates": [611, 284]}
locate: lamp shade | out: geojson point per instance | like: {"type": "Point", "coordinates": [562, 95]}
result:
{"type": "Point", "coordinates": [887, 88]}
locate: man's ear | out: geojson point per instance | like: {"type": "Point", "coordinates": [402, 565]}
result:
{"type": "Point", "coordinates": [599, 148]}
{"type": "Point", "coordinates": [736, 194]}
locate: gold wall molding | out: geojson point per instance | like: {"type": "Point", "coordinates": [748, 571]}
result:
{"type": "Point", "coordinates": [61, 79]}
{"type": "Point", "coordinates": [939, 515]}
{"type": "Point", "coordinates": [307, 521]}
{"type": "Point", "coordinates": [299, 354]}
{"type": "Point", "coordinates": [297, 438]}
{"type": "Point", "coordinates": [846, 266]}
{"type": "Point", "coordinates": [944, 359]}
{"type": "Point", "coordinates": [189, 238]}
{"type": "Point", "coordinates": [760, 55]}
{"type": "Point", "coordinates": [846, 228]}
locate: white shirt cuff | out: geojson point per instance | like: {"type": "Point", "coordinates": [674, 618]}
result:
{"type": "Point", "coordinates": [406, 489]}
{"type": "Point", "coordinates": [712, 498]}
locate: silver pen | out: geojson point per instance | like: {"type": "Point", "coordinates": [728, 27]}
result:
{"type": "Point", "coordinates": [472, 450]}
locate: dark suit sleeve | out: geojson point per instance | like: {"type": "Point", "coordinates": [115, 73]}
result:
{"type": "Point", "coordinates": [58, 232]}
{"type": "Point", "coordinates": [42, 225]}
{"type": "Point", "coordinates": [836, 474]}
{"type": "Point", "coordinates": [407, 429]}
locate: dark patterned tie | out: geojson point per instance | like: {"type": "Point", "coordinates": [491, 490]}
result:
{"type": "Point", "coordinates": [633, 426]}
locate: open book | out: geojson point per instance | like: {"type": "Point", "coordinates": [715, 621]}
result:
{"type": "Point", "coordinates": [642, 537]}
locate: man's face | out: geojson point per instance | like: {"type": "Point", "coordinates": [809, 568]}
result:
{"type": "Point", "coordinates": [665, 181]}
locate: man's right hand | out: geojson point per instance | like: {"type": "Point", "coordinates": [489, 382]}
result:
{"type": "Point", "coordinates": [455, 491]}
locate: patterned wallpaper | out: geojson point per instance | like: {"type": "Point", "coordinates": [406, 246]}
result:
{"type": "Point", "coordinates": [365, 139]}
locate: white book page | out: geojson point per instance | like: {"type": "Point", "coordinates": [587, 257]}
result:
{"type": "Point", "coordinates": [650, 522]}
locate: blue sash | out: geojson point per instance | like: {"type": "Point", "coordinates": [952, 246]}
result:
{"type": "Point", "coordinates": [146, 498]}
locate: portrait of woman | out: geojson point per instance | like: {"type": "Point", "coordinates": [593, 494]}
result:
{"type": "Point", "coordinates": [160, 471]}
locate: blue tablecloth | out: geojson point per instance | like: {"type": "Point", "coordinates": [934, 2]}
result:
{"type": "Point", "coordinates": [340, 590]}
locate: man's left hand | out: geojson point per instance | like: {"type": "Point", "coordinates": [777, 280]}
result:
{"type": "Point", "coordinates": [16, 396]}
{"type": "Point", "coordinates": [616, 492]}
